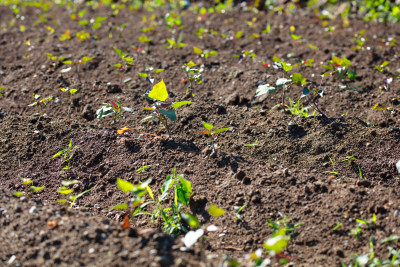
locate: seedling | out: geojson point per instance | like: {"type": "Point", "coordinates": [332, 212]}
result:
{"type": "Point", "coordinates": [337, 226]}
{"type": "Point", "coordinates": [171, 215]}
{"type": "Point", "coordinates": [204, 54]}
{"type": "Point", "coordinates": [359, 40]}
{"type": "Point", "coordinates": [173, 22]}
{"type": "Point", "coordinates": [83, 36]}
{"type": "Point", "coordinates": [192, 76]}
{"type": "Point", "coordinates": [115, 109]}
{"type": "Point", "coordinates": [123, 66]}
{"type": "Point", "coordinates": [349, 160]}
{"type": "Point", "coordinates": [69, 199]}
{"type": "Point", "coordinates": [339, 66]}
{"type": "Point", "coordinates": [29, 188]}
{"type": "Point", "coordinates": [382, 67]}
{"type": "Point", "coordinates": [297, 109]}
{"type": "Point", "coordinates": [237, 212]}
{"type": "Point", "coordinates": [55, 60]}
{"type": "Point", "coordinates": [161, 110]}
{"type": "Point", "coordinates": [253, 144]}
{"type": "Point", "coordinates": [145, 168]}
{"type": "Point", "coordinates": [386, 111]}
{"type": "Point", "coordinates": [41, 104]}
{"type": "Point", "coordinates": [334, 169]}
{"type": "Point", "coordinates": [67, 153]}
{"type": "Point", "coordinates": [1, 93]}
{"type": "Point", "coordinates": [71, 93]}
{"type": "Point", "coordinates": [211, 131]}
{"type": "Point", "coordinates": [175, 44]}
{"type": "Point", "coordinates": [244, 54]}
{"type": "Point", "coordinates": [138, 192]}
{"type": "Point", "coordinates": [76, 64]}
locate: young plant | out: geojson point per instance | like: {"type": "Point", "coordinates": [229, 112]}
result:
{"type": "Point", "coordinates": [76, 64]}
{"type": "Point", "coordinates": [161, 110]}
{"type": "Point", "coordinates": [67, 154]}
{"type": "Point", "coordinates": [238, 210]}
{"type": "Point", "coordinates": [149, 77]}
{"type": "Point", "coordinates": [115, 109]}
{"type": "Point", "coordinates": [29, 188]}
{"type": "Point", "coordinates": [126, 62]}
{"type": "Point", "coordinates": [204, 54]}
{"type": "Point", "coordinates": [172, 44]}
{"type": "Point", "coordinates": [69, 199]}
{"type": "Point", "coordinates": [386, 111]}
{"type": "Point", "coordinates": [297, 109]}
{"type": "Point", "coordinates": [1, 93]}
{"type": "Point", "coordinates": [211, 131]}
{"type": "Point", "coordinates": [71, 93]}
{"type": "Point", "coordinates": [172, 213]}
{"type": "Point", "coordinates": [41, 104]}
{"type": "Point", "coordinates": [334, 169]}
{"type": "Point", "coordinates": [192, 76]}
{"type": "Point", "coordinates": [129, 189]}
{"type": "Point", "coordinates": [55, 60]}
{"type": "Point", "coordinates": [339, 66]}
{"type": "Point", "coordinates": [244, 54]}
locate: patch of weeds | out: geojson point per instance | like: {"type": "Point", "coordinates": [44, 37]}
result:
{"type": "Point", "coordinates": [29, 188]}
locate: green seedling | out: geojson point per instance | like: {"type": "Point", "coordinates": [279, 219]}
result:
{"type": "Point", "coordinates": [69, 198]}
{"type": "Point", "coordinates": [204, 54]}
{"type": "Point", "coordinates": [253, 144]}
{"type": "Point", "coordinates": [83, 36]}
{"type": "Point", "coordinates": [145, 168]}
{"type": "Point", "coordinates": [386, 111]}
{"type": "Point", "coordinates": [134, 196]}
{"type": "Point", "coordinates": [126, 62]}
{"type": "Point", "coordinates": [349, 160]}
{"type": "Point", "coordinates": [297, 109]}
{"type": "Point", "coordinates": [71, 93]}
{"type": "Point", "coordinates": [55, 60]}
{"type": "Point", "coordinates": [193, 75]}
{"type": "Point", "coordinates": [173, 22]}
{"type": "Point", "coordinates": [29, 188]}
{"type": "Point", "coordinates": [41, 104]}
{"type": "Point", "coordinates": [67, 154]}
{"type": "Point", "coordinates": [245, 53]}
{"type": "Point", "coordinates": [285, 224]}
{"type": "Point", "coordinates": [115, 109]}
{"type": "Point", "coordinates": [339, 66]}
{"type": "Point", "coordinates": [172, 214]}
{"type": "Point", "coordinates": [211, 131]}
{"type": "Point", "coordinates": [172, 44]}
{"type": "Point", "coordinates": [359, 40]}
{"type": "Point", "coordinates": [161, 110]}
{"type": "Point", "coordinates": [1, 93]}
{"type": "Point", "coordinates": [337, 226]}
{"type": "Point", "coordinates": [357, 232]}
{"type": "Point", "coordinates": [382, 67]}
{"type": "Point", "coordinates": [238, 210]}
{"type": "Point", "coordinates": [334, 172]}
{"type": "Point", "coordinates": [76, 64]}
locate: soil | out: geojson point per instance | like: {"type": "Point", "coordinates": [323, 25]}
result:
{"type": "Point", "coordinates": [284, 176]}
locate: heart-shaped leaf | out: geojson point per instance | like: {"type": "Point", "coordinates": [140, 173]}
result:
{"type": "Point", "coordinates": [159, 91]}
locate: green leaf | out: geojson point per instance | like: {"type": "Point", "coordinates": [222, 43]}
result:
{"type": "Point", "coordinates": [191, 220]}
{"type": "Point", "coordinates": [298, 79]}
{"type": "Point", "coordinates": [117, 65]}
{"type": "Point", "coordinates": [197, 51]}
{"type": "Point", "coordinates": [264, 89]}
{"type": "Point", "coordinates": [208, 126]}
{"type": "Point", "coordinates": [86, 59]}
{"type": "Point", "coordinates": [125, 186]}
{"type": "Point", "coordinates": [64, 191]}
{"type": "Point", "coordinates": [73, 91]}
{"type": "Point", "coordinates": [184, 191]}
{"type": "Point", "coordinates": [190, 64]}
{"type": "Point", "coordinates": [119, 52]}
{"type": "Point", "coordinates": [286, 66]}
{"type": "Point", "coordinates": [144, 75]}
{"type": "Point", "coordinates": [81, 13]}
{"type": "Point", "coordinates": [122, 206]}
{"type": "Point", "coordinates": [69, 182]}
{"type": "Point", "coordinates": [159, 91]}
{"type": "Point", "coordinates": [215, 211]}
{"type": "Point", "coordinates": [180, 104]}
{"type": "Point", "coordinates": [144, 39]}
{"type": "Point", "coordinates": [150, 192]}
{"type": "Point", "coordinates": [170, 113]}
{"type": "Point", "coordinates": [18, 194]}
{"type": "Point", "coordinates": [36, 188]}
{"type": "Point", "coordinates": [58, 153]}
{"type": "Point", "coordinates": [67, 62]}
{"type": "Point", "coordinates": [159, 70]}
{"type": "Point", "coordinates": [221, 130]}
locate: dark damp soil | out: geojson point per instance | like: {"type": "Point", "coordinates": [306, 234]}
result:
{"type": "Point", "coordinates": [284, 176]}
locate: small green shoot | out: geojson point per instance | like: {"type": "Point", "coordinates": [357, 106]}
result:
{"type": "Point", "coordinates": [41, 104]}
{"type": "Point", "coordinates": [238, 210]}
{"type": "Point", "coordinates": [28, 188]}
{"type": "Point", "coordinates": [67, 153]}
{"type": "Point", "coordinates": [115, 109]}
{"type": "Point", "coordinates": [192, 76]}
{"type": "Point", "coordinates": [211, 131]}
{"type": "Point", "coordinates": [126, 62]}
{"type": "Point", "coordinates": [71, 93]}
{"type": "Point", "coordinates": [69, 199]}
{"type": "Point", "coordinates": [76, 64]}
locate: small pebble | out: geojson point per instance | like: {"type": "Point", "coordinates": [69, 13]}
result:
{"type": "Point", "coordinates": [33, 210]}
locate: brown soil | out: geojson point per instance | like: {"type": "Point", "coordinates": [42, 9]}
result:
{"type": "Point", "coordinates": [282, 175]}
